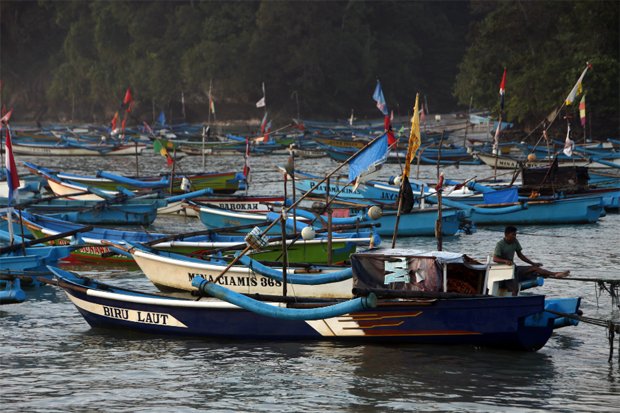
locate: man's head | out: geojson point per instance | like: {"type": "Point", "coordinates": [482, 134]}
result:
{"type": "Point", "coordinates": [510, 233]}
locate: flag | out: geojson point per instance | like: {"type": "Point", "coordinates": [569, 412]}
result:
{"type": "Point", "coordinates": [414, 136]}
{"type": "Point", "coordinates": [127, 99]}
{"type": "Point", "coordinates": [263, 124]}
{"type": "Point", "coordinates": [582, 111]}
{"type": "Point", "coordinates": [266, 132]}
{"type": "Point", "coordinates": [387, 124]}
{"type": "Point", "coordinates": [246, 164]}
{"type": "Point", "coordinates": [496, 137]}
{"type": "Point", "coordinates": [161, 119]}
{"type": "Point", "coordinates": [262, 102]}
{"type": "Point", "coordinates": [114, 121]}
{"type": "Point", "coordinates": [211, 105]}
{"type": "Point", "coordinates": [162, 147]}
{"type": "Point", "coordinates": [371, 156]}
{"type": "Point", "coordinates": [407, 197]}
{"type": "Point", "coordinates": [380, 99]}
{"type": "Point", "coordinates": [12, 178]}
{"type": "Point", "coordinates": [502, 90]}
{"type": "Point", "coordinates": [6, 117]}
{"type": "Point", "coordinates": [573, 93]}
{"type": "Point", "coordinates": [568, 144]}
{"type": "Point", "coordinates": [440, 181]}
{"type": "Point", "coordinates": [147, 128]}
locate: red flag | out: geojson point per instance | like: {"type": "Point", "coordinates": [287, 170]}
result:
{"type": "Point", "coordinates": [387, 124]}
{"type": "Point", "coordinates": [263, 124]}
{"type": "Point", "coordinates": [128, 99]}
{"type": "Point", "coordinates": [502, 90]}
{"type": "Point", "coordinates": [267, 130]}
{"type": "Point", "coordinates": [439, 185]}
{"type": "Point", "coordinates": [114, 120]}
{"type": "Point", "coordinates": [12, 177]}
{"type": "Point", "coordinates": [246, 165]}
{"type": "Point", "coordinates": [6, 117]}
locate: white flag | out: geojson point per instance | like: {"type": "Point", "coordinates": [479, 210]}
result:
{"type": "Point", "coordinates": [261, 103]}
{"type": "Point", "coordinates": [568, 144]}
{"type": "Point", "coordinates": [577, 88]}
{"type": "Point", "coordinates": [496, 138]}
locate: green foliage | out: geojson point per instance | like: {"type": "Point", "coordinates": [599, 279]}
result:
{"type": "Point", "coordinates": [545, 46]}
{"type": "Point", "coordinates": [78, 57]}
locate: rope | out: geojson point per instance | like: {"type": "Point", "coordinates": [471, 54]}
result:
{"type": "Point", "coordinates": [612, 327]}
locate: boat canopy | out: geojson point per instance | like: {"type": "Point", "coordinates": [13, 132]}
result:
{"type": "Point", "coordinates": [416, 270]}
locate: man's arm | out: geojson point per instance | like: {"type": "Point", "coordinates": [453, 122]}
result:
{"type": "Point", "coordinates": [526, 259]}
{"type": "Point", "coordinates": [500, 260]}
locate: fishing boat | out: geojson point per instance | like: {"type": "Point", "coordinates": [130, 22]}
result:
{"type": "Point", "coordinates": [534, 212]}
{"type": "Point", "coordinates": [70, 147]}
{"type": "Point", "coordinates": [128, 212]}
{"type": "Point", "coordinates": [63, 183]}
{"type": "Point", "coordinates": [507, 162]}
{"type": "Point", "coordinates": [197, 244]}
{"type": "Point", "coordinates": [258, 204]}
{"type": "Point", "coordinates": [400, 296]}
{"type": "Point", "coordinates": [175, 272]}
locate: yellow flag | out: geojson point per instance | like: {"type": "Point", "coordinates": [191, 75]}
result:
{"type": "Point", "coordinates": [414, 136]}
{"type": "Point", "coordinates": [577, 89]}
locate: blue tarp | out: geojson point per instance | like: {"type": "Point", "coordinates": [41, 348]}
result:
{"type": "Point", "coordinates": [501, 196]}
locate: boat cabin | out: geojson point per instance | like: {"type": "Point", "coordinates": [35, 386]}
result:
{"type": "Point", "coordinates": [406, 271]}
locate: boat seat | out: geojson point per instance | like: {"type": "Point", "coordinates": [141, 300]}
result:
{"type": "Point", "coordinates": [496, 277]}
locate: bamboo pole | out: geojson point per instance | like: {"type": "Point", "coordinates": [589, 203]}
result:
{"type": "Point", "coordinates": [329, 224]}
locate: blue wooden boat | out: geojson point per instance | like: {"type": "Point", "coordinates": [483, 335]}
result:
{"type": "Point", "coordinates": [421, 223]}
{"type": "Point", "coordinates": [129, 212]}
{"type": "Point", "coordinates": [33, 258]}
{"type": "Point", "coordinates": [545, 212]}
{"type": "Point", "coordinates": [392, 313]}
{"type": "Point", "coordinates": [219, 218]}
{"type": "Point", "coordinates": [196, 244]}
{"type": "Point", "coordinates": [66, 146]}
{"type": "Point", "coordinates": [416, 223]}
{"type": "Point", "coordinates": [63, 183]}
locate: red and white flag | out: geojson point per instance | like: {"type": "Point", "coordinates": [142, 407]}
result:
{"type": "Point", "coordinates": [246, 165]}
{"type": "Point", "coordinates": [568, 144]}
{"type": "Point", "coordinates": [12, 178]}
{"type": "Point", "coordinates": [7, 116]}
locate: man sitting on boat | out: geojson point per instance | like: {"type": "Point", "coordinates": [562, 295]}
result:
{"type": "Point", "coordinates": [504, 254]}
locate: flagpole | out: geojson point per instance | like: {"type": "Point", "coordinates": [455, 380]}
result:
{"type": "Point", "coordinates": [413, 140]}
{"type": "Point", "coordinates": [496, 145]}
{"type": "Point", "coordinates": [301, 198]}
{"type": "Point", "coordinates": [204, 133]}
{"type": "Point", "coordinates": [471, 101]}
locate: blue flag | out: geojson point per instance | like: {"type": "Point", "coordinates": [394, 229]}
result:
{"type": "Point", "coordinates": [161, 119]}
{"type": "Point", "coordinates": [380, 99]}
{"type": "Point", "coordinates": [373, 155]}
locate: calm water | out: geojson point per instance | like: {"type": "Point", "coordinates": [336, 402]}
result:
{"type": "Point", "coordinates": [52, 361]}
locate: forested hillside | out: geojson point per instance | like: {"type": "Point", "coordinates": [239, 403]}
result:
{"type": "Point", "coordinates": [74, 59]}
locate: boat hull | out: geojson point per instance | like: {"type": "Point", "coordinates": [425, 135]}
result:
{"type": "Point", "coordinates": [169, 273]}
{"type": "Point", "coordinates": [485, 321]}
{"type": "Point", "coordinates": [558, 212]}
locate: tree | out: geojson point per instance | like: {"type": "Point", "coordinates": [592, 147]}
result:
{"type": "Point", "coordinates": [545, 45]}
